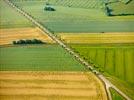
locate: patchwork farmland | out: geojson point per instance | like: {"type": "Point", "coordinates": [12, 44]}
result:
{"type": "Point", "coordinates": [112, 57]}
{"type": "Point", "coordinates": [110, 53]}
{"type": "Point", "coordinates": [44, 71]}
{"type": "Point", "coordinates": [75, 19]}
{"type": "Point", "coordinates": [76, 34]}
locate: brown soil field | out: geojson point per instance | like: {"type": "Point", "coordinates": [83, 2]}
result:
{"type": "Point", "coordinates": [97, 38]}
{"type": "Point", "coordinates": [50, 86]}
{"type": "Point", "coordinates": [7, 36]}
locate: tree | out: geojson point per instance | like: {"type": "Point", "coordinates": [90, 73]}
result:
{"type": "Point", "coordinates": [49, 8]}
{"type": "Point", "coordinates": [14, 42]}
{"type": "Point", "coordinates": [109, 11]}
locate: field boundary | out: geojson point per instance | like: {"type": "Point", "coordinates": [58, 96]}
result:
{"type": "Point", "coordinates": [24, 45]}
{"type": "Point", "coordinates": [96, 73]}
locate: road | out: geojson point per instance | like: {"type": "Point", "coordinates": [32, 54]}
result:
{"type": "Point", "coordinates": [106, 82]}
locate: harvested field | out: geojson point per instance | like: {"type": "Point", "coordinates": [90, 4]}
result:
{"type": "Point", "coordinates": [7, 36]}
{"type": "Point", "coordinates": [50, 85]}
{"type": "Point", "coordinates": [93, 38]}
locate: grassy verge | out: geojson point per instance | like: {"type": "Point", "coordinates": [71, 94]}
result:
{"type": "Point", "coordinates": [115, 95]}
{"type": "Point", "coordinates": [127, 88]}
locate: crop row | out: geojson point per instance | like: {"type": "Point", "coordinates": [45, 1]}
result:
{"type": "Point", "coordinates": [117, 61]}
{"type": "Point", "coordinates": [78, 3]}
{"type": "Point", "coordinates": [37, 58]}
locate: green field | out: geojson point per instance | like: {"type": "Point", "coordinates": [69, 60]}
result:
{"type": "Point", "coordinates": [9, 18]}
{"type": "Point", "coordinates": [37, 58]}
{"type": "Point", "coordinates": [71, 19]}
{"type": "Point", "coordinates": [115, 60]}
{"type": "Point", "coordinates": [97, 4]}
{"type": "Point", "coordinates": [122, 8]}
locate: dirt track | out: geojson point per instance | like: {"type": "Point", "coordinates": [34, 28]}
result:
{"type": "Point", "coordinates": [51, 85]}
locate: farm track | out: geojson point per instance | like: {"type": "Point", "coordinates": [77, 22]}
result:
{"type": "Point", "coordinates": [7, 36]}
{"type": "Point", "coordinates": [51, 85]}
{"type": "Point", "coordinates": [107, 83]}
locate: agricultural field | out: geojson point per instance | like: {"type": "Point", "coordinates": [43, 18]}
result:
{"type": "Point", "coordinates": [114, 61]}
{"type": "Point", "coordinates": [48, 85]}
{"type": "Point", "coordinates": [37, 57]}
{"type": "Point", "coordinates": [96, 38]}
{"type": "Point", "coordinates": [88, 4]}
{"type": "Point", "coordinates": [9, 18]}
{"type": "Point", "coordinates": [123, 8]}
{"type": "Point", "coordinates": [14, 26]}
{"type": "Point", "coordinates": [7, 36]}
{"type": "Point", "coordinates": [74, 19]}
{"type": "Point", "coordinates": [110, 53]}
{"type": "Point", "coordinates": [47, 71]}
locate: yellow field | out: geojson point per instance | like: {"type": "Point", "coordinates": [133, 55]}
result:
{"type": "Point", "coordinates": [97, 37]}
{"type": "Point", "coordinates": [9, 35]}
{"type": "Point", "coordinates": [50, 86]}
